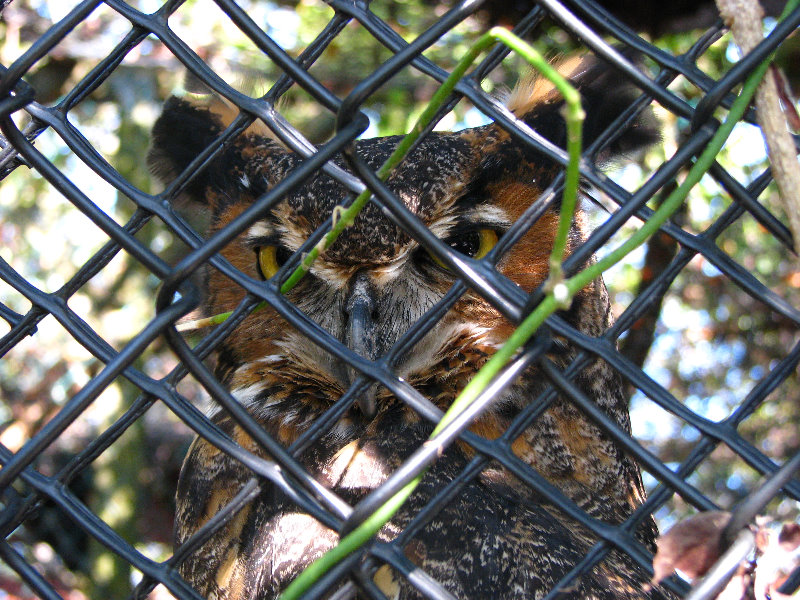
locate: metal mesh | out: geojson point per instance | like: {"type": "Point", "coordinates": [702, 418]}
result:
{"type": "Point", "coordinates": [29, 484]}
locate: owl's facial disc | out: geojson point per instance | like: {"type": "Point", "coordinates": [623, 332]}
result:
{"type": "Point", "coordinates": [361, 334]}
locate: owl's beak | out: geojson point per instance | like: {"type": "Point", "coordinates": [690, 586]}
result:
{"type": "Point", "coordinates": [361, 333]}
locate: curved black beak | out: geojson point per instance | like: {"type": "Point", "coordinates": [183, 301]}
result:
{"type": "Point", "coordinates": [361, 334]}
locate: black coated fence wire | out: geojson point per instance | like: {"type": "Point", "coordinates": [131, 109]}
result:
{"type": "Point", "coordinates": [24, 489]}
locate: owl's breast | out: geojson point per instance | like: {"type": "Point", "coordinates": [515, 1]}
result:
{"type": "Point", "coordinates": [487, 542]}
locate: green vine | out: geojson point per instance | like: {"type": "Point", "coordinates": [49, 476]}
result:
{"type": "Point", "coordinates": [560, 291]}
{"type": "Point", "coordinates": [574, 116]}
{"type": "Point", "coordinates": [344, 217]}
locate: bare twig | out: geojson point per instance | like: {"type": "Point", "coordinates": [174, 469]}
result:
{"type": "Point", "coordinates": [744, 17]}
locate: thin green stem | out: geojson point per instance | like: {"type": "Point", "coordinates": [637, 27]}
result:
{"type": "Point", "coordinates": [348, 215]}
{"type": "Point", "coordinates": [674, 200]}
{"type": "Point", "coordinates": [574, 116]}
{"type": "Point", "coordinates": [530, 324]}
{"type": "Point", "coordinates": [361, 534]}
{"type": "Point", "coordinates": [205, 322]}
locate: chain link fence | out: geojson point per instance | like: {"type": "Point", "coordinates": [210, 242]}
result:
{"type": "Point", "coordinates": [737, 258]}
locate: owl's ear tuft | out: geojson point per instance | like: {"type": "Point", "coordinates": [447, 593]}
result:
{"type": "Point", "coordinates": [182, 131]}
{"type": "Point", "coordinates": [185, 128]}
{"type": "Point", "coordinates": [605, 95]}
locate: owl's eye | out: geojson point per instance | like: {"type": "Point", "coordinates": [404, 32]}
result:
{"type": "Point", "coordinates": [475, 243]}
{"type": "Point", "coordinates": [270, 259]}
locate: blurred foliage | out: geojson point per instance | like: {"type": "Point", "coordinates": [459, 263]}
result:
{"type": "Point", "coordinates": [712, 341]}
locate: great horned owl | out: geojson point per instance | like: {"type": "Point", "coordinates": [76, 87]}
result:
{"type": "Point", "coordinates": [496, 538]}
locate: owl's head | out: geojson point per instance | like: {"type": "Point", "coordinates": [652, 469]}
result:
{"type": "Point", "coordinates": [376, 281]}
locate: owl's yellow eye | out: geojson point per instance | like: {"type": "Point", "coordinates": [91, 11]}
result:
{"type": "Point", "coordinates": [270, 259]}
{"type": "Point", "coordinates": [475, 243]}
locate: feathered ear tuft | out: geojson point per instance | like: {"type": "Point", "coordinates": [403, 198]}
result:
{"type": "Point", "coordinates": [185, 128]}
{"type": "Point", "coordinates": [605, 95]}
{"type": "Point", "coordinates": [182, 131]}
{"type": "Point", "coordinates": [533, 90]}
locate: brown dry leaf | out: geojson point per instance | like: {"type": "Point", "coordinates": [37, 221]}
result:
{"type": "Point", "coordinates": [692, 545]}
